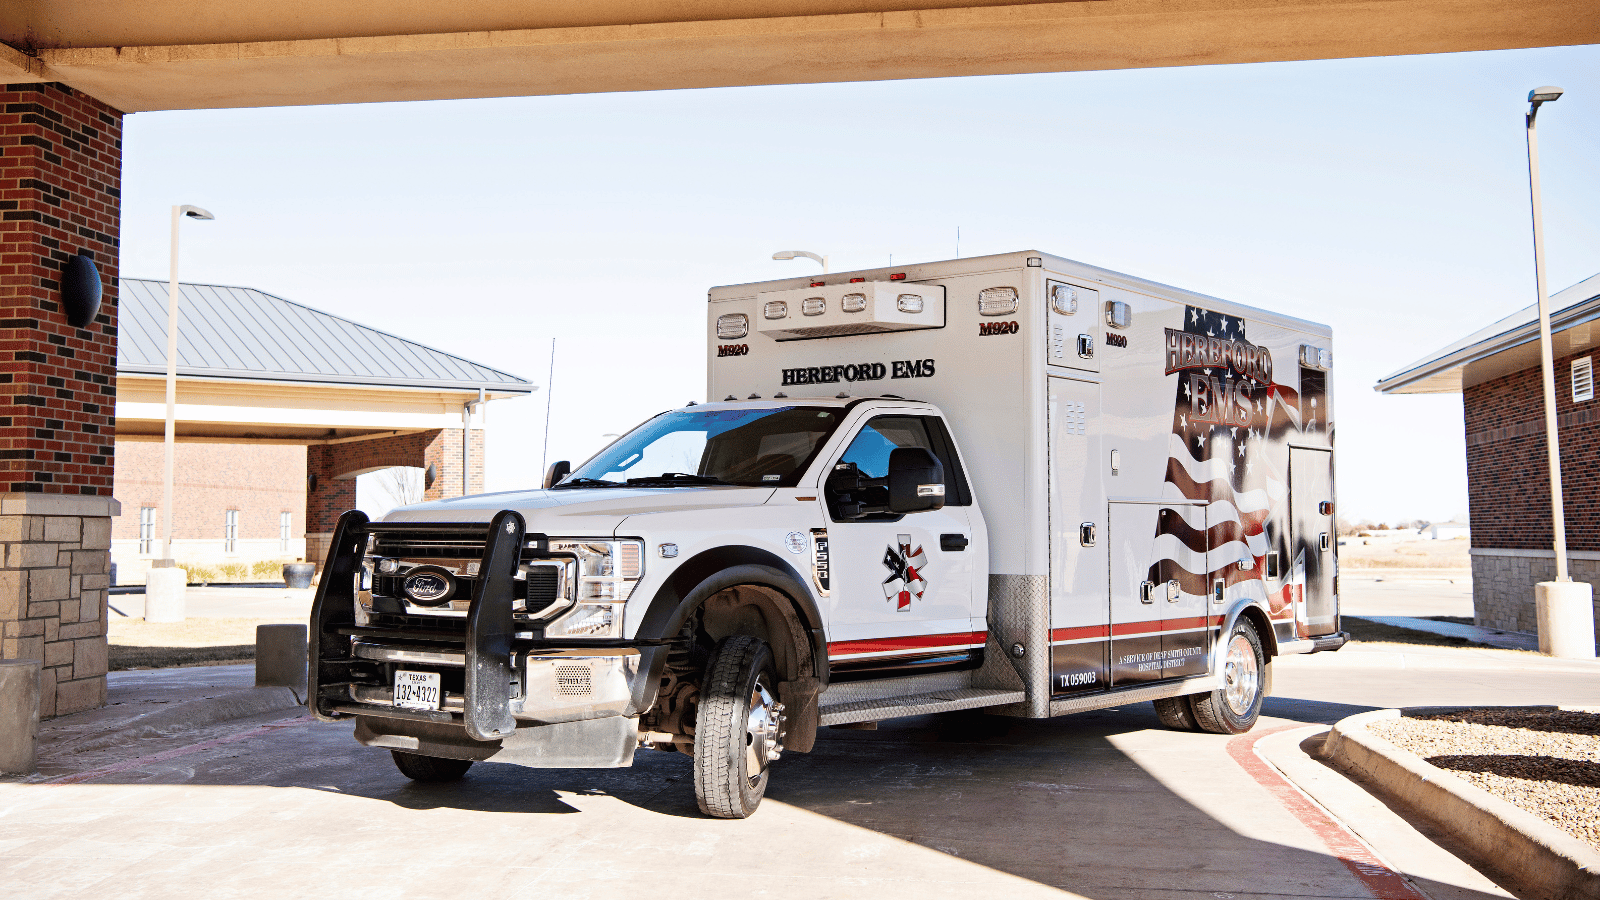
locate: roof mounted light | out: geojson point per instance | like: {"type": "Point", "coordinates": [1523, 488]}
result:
{"type": "Point", "coordinates": [813, 306]}
{"type": "Point", "coordinates": [733, 326]}
{"type": "Point", "coordinates": [909, 303]}
{"type": "Point", "coordinates": [775, 309]}
{"type": "Point", "coordinates": [1118, 314]}
{"type": "Point", "coordinates": [1064, 299]}
{"type": "Point", "coordinates": [853, 303]}
{"type": "Point", "coordinates": [898, 276]}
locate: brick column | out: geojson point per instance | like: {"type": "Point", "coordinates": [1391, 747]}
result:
{"type": "Point", "coordinates": [60, 183]}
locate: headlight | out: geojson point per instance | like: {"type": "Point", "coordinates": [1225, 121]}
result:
{"type": "Point", "coordinates": [607, 574]}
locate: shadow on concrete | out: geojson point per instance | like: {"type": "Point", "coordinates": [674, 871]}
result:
{"type": "Point", "coordinates": [1311, 712]}
{"type": "Point", "coordinates": [1103, 804]}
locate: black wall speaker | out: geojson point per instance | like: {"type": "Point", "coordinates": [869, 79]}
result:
{"type": "Point", "coordinates": [80, 289]}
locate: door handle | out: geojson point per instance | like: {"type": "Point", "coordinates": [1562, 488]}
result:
{"type": "Point", "coordinates": [1322, 542]}
{"type": "Point", "coordinates": [1086, 534]}
{"type": "Point", "coordinates": [1147, 592]}
{"type": "Point", "coordinates": [952, 542]}
{"type": "Point", "coordinates": [1085, 346]}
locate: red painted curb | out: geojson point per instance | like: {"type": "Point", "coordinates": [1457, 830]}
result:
{"type": "Point", "coordinates": [1382, 881]}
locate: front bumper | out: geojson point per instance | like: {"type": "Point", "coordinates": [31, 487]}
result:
{"type": "Point", "coordinates": [549, 685]}
{"type": "Point", "coordinates": [506, 698]}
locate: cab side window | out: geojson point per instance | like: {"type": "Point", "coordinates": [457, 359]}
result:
{"type": "Point", "coordinates": [870, 450]}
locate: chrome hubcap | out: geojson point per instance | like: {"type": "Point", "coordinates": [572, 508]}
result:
{"type": "Point", "coordinates": [1240, 675]}
{"type": "Point", "coordinates": [763, 732]}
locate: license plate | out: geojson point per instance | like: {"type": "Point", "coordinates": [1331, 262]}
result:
{"type": "Point", "coordinates": [416, 690]}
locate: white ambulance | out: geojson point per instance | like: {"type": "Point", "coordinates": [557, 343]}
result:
{"type": "Point", "coordinates": [1016, 483]}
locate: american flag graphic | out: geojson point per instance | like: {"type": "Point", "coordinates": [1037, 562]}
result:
{"type": "Point", "coordinates": [1227, 414]}
{"type": "Point", "coordinates": [905, 580]}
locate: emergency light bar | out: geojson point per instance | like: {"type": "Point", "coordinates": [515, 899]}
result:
{"type": "Point", "coordinates": [852, 308]}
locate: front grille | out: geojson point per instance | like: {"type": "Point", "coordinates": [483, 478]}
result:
{"type": "Point", "coordinates": [542, 587]}
{"type": "Point", "coordinates": [574, 681]}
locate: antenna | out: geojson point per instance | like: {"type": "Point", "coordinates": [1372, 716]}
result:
{"type": "Point", "coordinates": [544, 455]}
{"type": "Point", "coordinates": [958, 242]}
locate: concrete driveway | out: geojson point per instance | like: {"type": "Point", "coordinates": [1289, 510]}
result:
{"type": "Point", "coordinates": [1102, 805]}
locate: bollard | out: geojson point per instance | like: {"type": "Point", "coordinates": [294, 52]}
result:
{"type": "Point", "coordinates": [281, 656]}
{"type": "Point", "coordinates": [1566, 618]}
{"type": "Point", "coordinates": [163, 594]}
{"type": "Point", "coordinates": [19, 716]}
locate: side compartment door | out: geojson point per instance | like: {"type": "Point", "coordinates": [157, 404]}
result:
{"type": "Point", "coordinates": [1158, 590]}
{"type": "Point", "coordinates": [1080, 615]}
{"type": "Point", "coordinates": [1313, 554]}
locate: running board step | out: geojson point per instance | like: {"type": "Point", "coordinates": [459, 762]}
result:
{"type": "Point", "coordinates": [917, 705]}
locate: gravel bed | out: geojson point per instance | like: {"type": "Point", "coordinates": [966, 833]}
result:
{"type": "Point", "coordinates": [1547, 762]}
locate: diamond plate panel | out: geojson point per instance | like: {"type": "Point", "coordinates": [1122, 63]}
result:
{"type": "Point", "coordinates": [1019, 613]}
{"type": "Point", "coordinates": [916, 705]}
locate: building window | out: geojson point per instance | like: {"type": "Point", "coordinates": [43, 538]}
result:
{"type": "Point", "coordinates": [285, 520]}
{"type": "Point", "coordinates": [1582, 379]}
{"type": "Point", "coordinates": [230, 531]}
{"type": "Point", "coordinates": [147, 529]}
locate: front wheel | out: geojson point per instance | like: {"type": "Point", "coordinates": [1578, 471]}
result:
{"type": "Point", "coordinates": [1236, 703]}
{"type": "Point", "coordinates": [738, 729]}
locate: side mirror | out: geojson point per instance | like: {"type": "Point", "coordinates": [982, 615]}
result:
{"type": "Point", "coordinates": [558, 471]}
{"type": "Point", "coordinates": [916, 480]}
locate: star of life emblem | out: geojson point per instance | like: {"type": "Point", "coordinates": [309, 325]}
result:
{"type": "Point", "coordinates": [905, 581]}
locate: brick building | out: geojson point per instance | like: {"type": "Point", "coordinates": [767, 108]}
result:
{"type": "Point", "coordinates": [279, 408]}
{"type": "Point", "coordinates": [1496, 370]}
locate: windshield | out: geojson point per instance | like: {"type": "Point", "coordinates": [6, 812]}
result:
{"type": "Point", "coordinates": [748, 447]}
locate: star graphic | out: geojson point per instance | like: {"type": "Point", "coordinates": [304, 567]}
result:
{"type": "Point", "coordinates": [1183, 421]}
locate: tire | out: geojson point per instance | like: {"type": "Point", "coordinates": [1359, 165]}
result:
{"type": "Point", "coordinates": [738, 729]}
{"type": "Point", "coordinates": [1236, 703]}
{"type": "Point", "coordinates": [430, 769]}
{"type": "Point", "coordinates": [1175, 713]}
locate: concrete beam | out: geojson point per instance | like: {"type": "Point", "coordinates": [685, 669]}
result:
{"type": "Point", "coordinates": [317, 59]}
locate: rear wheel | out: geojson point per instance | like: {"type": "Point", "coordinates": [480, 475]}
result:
{"type": "Point", "coordinates": [1175, 713]}
{"type": "Point", "coordinates": [417, 767]}
{"type": "Point", "coordinates": [1236, 703]}
{"type": "Point", "coordinates": [738, 729]}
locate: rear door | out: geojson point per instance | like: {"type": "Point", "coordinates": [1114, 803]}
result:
{"type": "Point", "coordinates": [1313, 558]}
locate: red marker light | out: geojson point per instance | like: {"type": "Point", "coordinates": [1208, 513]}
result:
{"type": "Point", "coordinates": [857, 280]}
{"type": "Point", "coordinates": [898, 276]}
{"type": "Point", "coordinates": [816, 284]}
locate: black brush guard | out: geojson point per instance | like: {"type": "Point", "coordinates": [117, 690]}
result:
{"type": "Point", "coordinates": [487, 641]}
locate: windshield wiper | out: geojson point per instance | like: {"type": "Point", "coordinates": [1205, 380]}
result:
{"type": "Point", "coordinates": [679, 478]}
{"type": "Point", "coordinates": [585, 482]}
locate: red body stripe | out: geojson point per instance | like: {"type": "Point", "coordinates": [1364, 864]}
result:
{"type": "Point", "coordinates": [914, 642]}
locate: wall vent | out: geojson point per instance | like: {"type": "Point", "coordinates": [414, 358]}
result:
{"type": "Point", "coordinates": [1582, 379]}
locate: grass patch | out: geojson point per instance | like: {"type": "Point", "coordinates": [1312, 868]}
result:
{"type": "Point", "coordinates": [122, 658]}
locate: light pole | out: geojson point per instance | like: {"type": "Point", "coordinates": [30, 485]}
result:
{"type": "Point", "coordinates": [164, 593]}
{"type": "Point", "coordinates": [791, 254]}
{"type": "Point", "coordinates": [1564, 608]}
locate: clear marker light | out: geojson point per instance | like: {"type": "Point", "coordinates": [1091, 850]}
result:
{"type": "Point", "coordinates": [733, 326]}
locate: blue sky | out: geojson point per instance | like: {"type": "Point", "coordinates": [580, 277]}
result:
{"type": "Point", "coordinates": [1387, 197]}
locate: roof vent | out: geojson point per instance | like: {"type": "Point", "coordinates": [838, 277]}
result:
{"type": "Point", "coordinates": [1582, 379]}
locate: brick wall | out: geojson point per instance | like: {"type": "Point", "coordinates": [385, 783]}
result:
{"type": "Point", "coordinates": [60, 193]}
{"type": "Point", "coordinates": [1508, 487]}
{"type": "Point", "coordinates": [60, 184]}
{"type": "Point", "coordinates": [261, 481]}
{"type": "Point", "coordinates": [336, 464]}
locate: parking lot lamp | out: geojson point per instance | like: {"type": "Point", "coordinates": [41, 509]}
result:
{"type": "Point", "coordinates": [791, 254]}
{"type": "Point", "coordinates": [1537, 97]}
{"type": "Point", "coordinates": [178, 214]}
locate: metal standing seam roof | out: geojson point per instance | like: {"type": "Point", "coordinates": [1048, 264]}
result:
{"type": "Point", "coordinates": [239, 332]}
{"type": "Point", "coordinates": [1433, 373]}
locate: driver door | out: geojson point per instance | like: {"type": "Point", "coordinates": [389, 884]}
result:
{"type": "Point", "coordinates": [901, 584]}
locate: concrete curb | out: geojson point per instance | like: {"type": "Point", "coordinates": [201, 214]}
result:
{"type": "Point", "coordinates": [1529, 855]}
{"type": "Point", "coordinates": [194, 714]}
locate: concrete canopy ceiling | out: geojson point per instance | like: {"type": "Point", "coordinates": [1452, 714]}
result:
{"type": "Point", "coordinates": [194, 54]}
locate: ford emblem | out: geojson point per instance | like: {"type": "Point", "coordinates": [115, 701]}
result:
{"type": "Point", "coordinates": [429, 586]}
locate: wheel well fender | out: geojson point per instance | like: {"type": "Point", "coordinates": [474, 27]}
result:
{"type": "Point", "coordinates": [711, 572]}
{"type": "Point", "coordinates": [1256, 616]}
